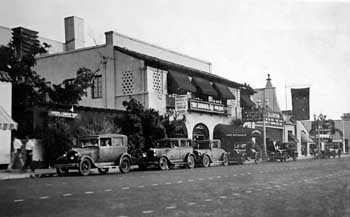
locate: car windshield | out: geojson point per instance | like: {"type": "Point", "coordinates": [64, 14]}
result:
{"type": "Point", "coordinates": [166, 144]}
{"type": "Point", "coordinates": [202, 145]}
{"type": "Point", "coordinates": [87, 142]}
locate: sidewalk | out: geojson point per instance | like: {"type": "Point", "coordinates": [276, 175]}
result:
{"type": "Point", "coordinates": [19, 174]}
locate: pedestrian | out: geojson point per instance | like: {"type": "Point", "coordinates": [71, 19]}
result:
{"type": "Point", "coordinates": [16, 153]}
{"type": "Point", "coordinates": [339, 152]}
{"type": "Point", "coordinates": [29, 154]}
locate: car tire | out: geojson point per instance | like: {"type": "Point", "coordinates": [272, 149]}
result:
{"type": "Point", "coordinates": [124, 166]}
{"type": "Point", "coordinates": [84, 167]}
{"type": "Point", "coordinates": [163, 163]}
{"type": "Point", "coordinates": [205, 161]}
{"type": "Point", "coordinates": [190, 163]}
{"type": "Point", "coordinates": [225, 160]}
{"type": "Point", "coordinates": [62, 171]}
{"type": "Point", "coordinates": [103, 170]}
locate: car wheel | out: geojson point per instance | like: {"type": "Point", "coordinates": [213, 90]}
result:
{"type": "Point", "coordinates": [62, 171]}
{"type": "Point", "coordinates": [103, 170]}
{"type": "Point", "coordinates": [190, 162]}
{"type": "Point", "coordinates": [163, 163]}
{"type": "Point", "coordinates": [124, 166]}
{"type": "Point", "coordinates": [205, 161]}
{"type": "Point", "coordinates": [225, 160]}
{"type": "Point", "coordinates": [84, 167]}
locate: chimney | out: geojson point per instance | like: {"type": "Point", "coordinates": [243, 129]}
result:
{"type": "Point", "coordinates": [74, 32]}
{"type": "Point", "coordinates": [109, 37]}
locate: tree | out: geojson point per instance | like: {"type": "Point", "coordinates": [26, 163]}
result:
{"type": "Point", "coordinates": [142, 126]}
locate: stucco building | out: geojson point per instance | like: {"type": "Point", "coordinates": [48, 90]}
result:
{"type": "Point", "coordinates": [167, 81]}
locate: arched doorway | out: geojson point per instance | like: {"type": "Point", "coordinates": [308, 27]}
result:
{"type": "Point", "coordinates": [200, 132]}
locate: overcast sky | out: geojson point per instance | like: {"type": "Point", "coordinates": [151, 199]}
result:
{"type": "Point", "coordinates": [300, 43]}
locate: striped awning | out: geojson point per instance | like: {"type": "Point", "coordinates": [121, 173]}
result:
{"type": "Point", "coordinates": [6, 122]}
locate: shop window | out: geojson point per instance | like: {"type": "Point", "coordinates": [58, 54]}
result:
{"type": "Point", "coordinates": [128, 83]}
{"type": "Point", "coordinates": [96, 90]}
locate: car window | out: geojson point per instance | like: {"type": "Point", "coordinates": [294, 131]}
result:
{"type": "Point", "coordinates": [105, 142]}
{"type": "Point", "coordinates": [215, 144]}
{"type": "Point", "coordinates": [88, 142]}
{"type": "Point", "coordinates": [117, 141]}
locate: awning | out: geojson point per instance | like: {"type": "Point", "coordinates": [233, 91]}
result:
{"type": "Point", "coordinates": [224, 91]}
{"type": "Point", "coordinates": [180, 83]}
{"type": "Point", "coordinates": [223, 130]}
{"type": "Point", "coordinates": [204, 87]}
{"type": "Point", "coordinates": [305, 138]}
{"type": "Point", "coordinates": [292, 138]}
{"type": "Point", "coordinates": [246, 101]}
{"type": "Point", "coordinates": [6, 122]}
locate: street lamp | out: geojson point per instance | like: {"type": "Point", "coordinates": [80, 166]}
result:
{"type": "Point", "coordinates": [263, 110]}
{"type": "Point", "coordinates": [319, 120]}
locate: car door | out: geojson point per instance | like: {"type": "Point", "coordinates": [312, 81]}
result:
{"type": "Point", "coordinates": [106, 152]}
{"type": "Point", "coordinates": [174, 151]}
{"type": "Point", "coordinates": [185, 148]}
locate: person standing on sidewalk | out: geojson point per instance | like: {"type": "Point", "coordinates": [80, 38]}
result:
{"type": "Point", "coordinates": [16, 153]}
{"type": "Point", "coordinates": [29, 154]}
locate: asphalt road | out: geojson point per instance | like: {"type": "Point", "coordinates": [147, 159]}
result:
{"type": "Point", "coordinates": [301, 188]}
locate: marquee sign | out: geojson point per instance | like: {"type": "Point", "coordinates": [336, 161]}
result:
{"type": "Point", "coordinates": [206, 107]}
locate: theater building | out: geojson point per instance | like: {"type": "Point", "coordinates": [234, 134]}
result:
{"type": "Point", "coordinates": [172, 83]}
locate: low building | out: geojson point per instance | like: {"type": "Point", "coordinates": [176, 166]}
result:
{"type": "Point", "coordinates": [6, 122]}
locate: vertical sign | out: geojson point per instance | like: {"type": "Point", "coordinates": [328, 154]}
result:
{"type": "Point", "coordinates": [181, 103]}
{"type": "Point", "coordinates": [301, 103]}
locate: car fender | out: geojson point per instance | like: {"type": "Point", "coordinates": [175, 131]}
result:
{"type": "Point", "coordinates": [122, 156]}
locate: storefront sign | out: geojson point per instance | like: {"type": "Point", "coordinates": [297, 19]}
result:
{"type": "Point", "coordinates": [63, 114]}
{"type": "Point", "coordinates": [206, 107]}
{"type": "Point", "coordinates": [272, 119]}
{"type": "Point", "coordinates": [252, 116]}
{"type": "Point", "coordinates": [181, 103]}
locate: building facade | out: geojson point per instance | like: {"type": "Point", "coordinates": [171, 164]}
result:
{"type": "Point", "coordinates": [170, 82]}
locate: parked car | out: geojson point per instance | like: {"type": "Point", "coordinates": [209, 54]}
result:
{"type": "Point", "coordinates": [275, 153]}
{"type": "Point", "coordinates": [240, 152]}
{"type": "Point", "coordinates": [103, 152]}
{"type": "Point", "coordinates": [208, 152]}
{"type": "Point", "coordinates": [169, 153]}
{"type": "Point", "coordinates": [331, 150]}
{"type": "Point", "coordinates": [288, 150]}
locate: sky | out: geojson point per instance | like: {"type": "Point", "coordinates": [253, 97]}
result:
{"type": "Point", "coordinates": [300, 43]}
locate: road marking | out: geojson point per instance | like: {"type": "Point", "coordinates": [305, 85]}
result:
{"type": "Point", "coordinates": [191, 203]}
{"type": "Point", "coordinates": [18, 200]}
{"type": "Point", "coordinates": [190, 180]}
{"type": "Point", "coordinates": [234, 174]}
{"type": "Point", "coordinates": [248, 192]}
{"type": "Point", "coordinates": [249, 173]}
{"type": "Point", "coordinates": [277, 186]}
{"type": "Point", "coordinates": [168, 183]}
{"type": "Point", "coordinates": [236, 194]}
{"type": "Point", "coordinates": [147, 211]}
{"type": "Point", "coordinates": [200, 179]}
{"type": "Point", "coordinates": [141, 186]}
{"type": "Point", "coordinates": [242, 174]}
{"type": "Point", "coordinates": [210, 178]}
{"type": "Point", "coordinates": [125, 188]}
{"type": "Point", "coordinates": [170, 207]}
{"type": "Point", "coordinates": [180, 181]}
{"type": "Point", "coordinates": [89, 192]}
{"type": "Point", "coordinates": [155, 184]}
{"type": "Point", "coordinates": [64, 183]}
{"type": "Point", "coordinates": [285, 184]}
{"type": "Point", "coordinates": [218, 177]}
{"type": "Point", "coordinates": [208, 200]}
{"type": "Point", "coordinates": [258, 189]}
{"type": "Point", "coordinates": [268, 187]}
{"type": "Point", "coordinates": [107, 190]}
{"type": "Point", "coordinates": [44, 197]}
{"type": "Point", "coordinates": [223, 197]}
{"type": "Point", "coordinates": [67, 195]}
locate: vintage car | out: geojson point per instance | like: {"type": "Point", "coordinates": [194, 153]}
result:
{"type": "Point", "coordinates": [240, 152]}
{"type": "Point", "coordinates": [330, 150]}
{"type": "Point", "coordinates": [98, 151]}
{"type": "Point", "coordinates": [288, 150]}
{"type": "Point", "coordinates": [275, 153]}
{"type": "Point", "coordinates": [208, 152]}
{"type": "Point", "coordinates": [169, 153]}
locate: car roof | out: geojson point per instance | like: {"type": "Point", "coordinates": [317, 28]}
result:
{"type": "Point", "coordinates": [107, 135]}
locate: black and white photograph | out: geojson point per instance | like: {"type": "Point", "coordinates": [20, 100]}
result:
{"type": "Point", "coordinates": [174, 108]}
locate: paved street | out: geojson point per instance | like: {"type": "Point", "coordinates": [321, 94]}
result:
{"type": "Point", "coordinates": [301, 188]}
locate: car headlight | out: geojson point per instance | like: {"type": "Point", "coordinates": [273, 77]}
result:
{"type": "Point", "coordinates": [144, 155]}
{"type": "Point", "coordinates": [65, 155]}
{"type": "Point", "coordinates": [154, 154]}
{"type": "Point", "coordinates": [76, 154]}
{"type": "Point", "coordinates": [72, 157]}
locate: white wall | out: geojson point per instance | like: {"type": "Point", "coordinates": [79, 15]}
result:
{"type": "Point", "coordinates": [5, 135]}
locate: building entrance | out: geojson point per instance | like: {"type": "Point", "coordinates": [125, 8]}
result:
{"type": "Point", "coordinates": [200, 132]}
